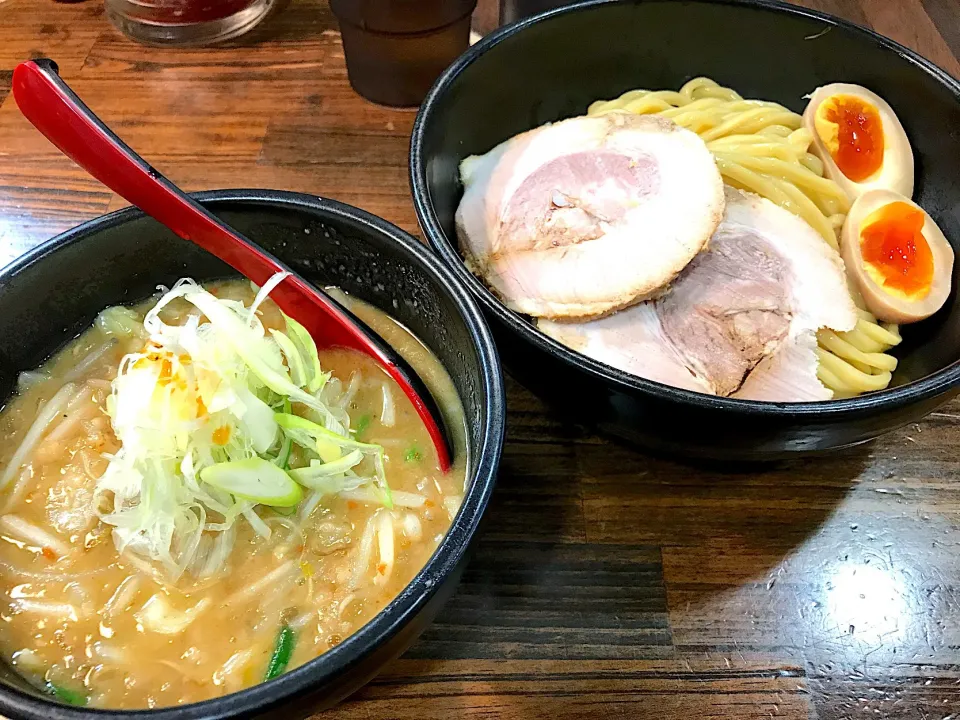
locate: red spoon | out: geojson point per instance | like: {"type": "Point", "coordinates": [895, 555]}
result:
{"type": "Point", "coordinates": [56, 111]}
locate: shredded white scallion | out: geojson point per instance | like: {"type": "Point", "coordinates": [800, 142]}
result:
{"type": "Point", "coordinates": [216, 390]}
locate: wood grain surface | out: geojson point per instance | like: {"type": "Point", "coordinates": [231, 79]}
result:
{"type": "Point", "coordinates": [607, 583]}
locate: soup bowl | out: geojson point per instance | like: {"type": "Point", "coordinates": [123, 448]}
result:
{"type": "Point", "coordinates": [554, 65]}
{"type": "Point", "coordinates": [50, 295]}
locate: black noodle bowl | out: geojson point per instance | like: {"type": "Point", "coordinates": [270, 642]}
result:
{"type": "Point", "coordinates": [553, 66]}
{"type": "Point", "coordinates": [343, 246]}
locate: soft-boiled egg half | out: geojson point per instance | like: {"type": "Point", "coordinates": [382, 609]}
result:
{"type": "Point", "coordinates": [897, 256]}
{"type": "Point", "coordinates": [860, 140]}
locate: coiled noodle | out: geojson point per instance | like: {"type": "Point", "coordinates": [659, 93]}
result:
{"type": "Point", "coordinates": [762, 147]}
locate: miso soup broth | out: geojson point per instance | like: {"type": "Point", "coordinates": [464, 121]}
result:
{"type": "Point", "coordinates": [177, 523]}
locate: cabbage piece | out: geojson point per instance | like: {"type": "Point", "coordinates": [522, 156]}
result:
{"type": "Point", "coordinates": [157, 615]}
{"type": "Point", "coordinates": [315, 376]}
{"type": "Point", "coordinates": [298, 373]}
{"type": "Point", "coordinates": [120, 321]}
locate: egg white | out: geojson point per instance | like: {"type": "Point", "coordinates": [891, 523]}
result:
{"type": "Point", "coordinates": [881, 302]}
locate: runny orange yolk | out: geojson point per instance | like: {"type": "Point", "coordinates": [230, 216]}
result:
{"type": "Point", "coordinates": [221, 436]}
{"type": "Point", "coordinates": [894, 250]}
{"type": "Point", "coordinates": [852, 130]}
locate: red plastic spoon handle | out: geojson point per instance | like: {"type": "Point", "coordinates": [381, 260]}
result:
{"type": "Point", "coordinates": [56, 111]}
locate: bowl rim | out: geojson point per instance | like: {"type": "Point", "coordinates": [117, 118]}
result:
{"type": "Point", "coordinates": [265, 696]}
{"type": "Point", "coordinates": [910, 393]}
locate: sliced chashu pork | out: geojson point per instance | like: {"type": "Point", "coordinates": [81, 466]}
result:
{"type": "Point", "coordinates": [631, 340]}
{"type": "Point", "coordinates": [741, 319]}
{"type": "Point", "coordinates": [588, 215]}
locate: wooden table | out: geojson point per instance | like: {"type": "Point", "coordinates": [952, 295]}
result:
{"type": "Point", "coordinates": [607, 584]}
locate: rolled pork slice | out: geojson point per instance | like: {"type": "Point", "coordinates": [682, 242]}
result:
{"type": "Point", "coordinates": [589, 215]}
{"type": "Point", "coordinates": [740, 320]}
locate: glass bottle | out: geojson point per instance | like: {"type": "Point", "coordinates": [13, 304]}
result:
{"type": "Point", "coordinates": [186, 22]}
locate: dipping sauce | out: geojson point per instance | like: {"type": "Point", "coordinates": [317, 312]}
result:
{"type": "Point", "coordinates": [89, 616]}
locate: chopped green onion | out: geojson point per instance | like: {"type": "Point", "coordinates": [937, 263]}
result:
{"type": "Point", "coordinates": [255, 479]}
{"type": "Point", "coordinates": [298, 375]}
{"type": "Point", "coordinates": [282, 650]}
{"type": "Point", "coordinates": [308, 434]}
{"type": "Point", "coordinates": [283, 457]}
{"type": "Point", "coordinates": [315, 377]}
{"type": "Point", "coordinates": [317, 470]}
{"type": "Point", "coordinates": [66, 695]}
{"type": "Point", "coordinates": [413, 454]}
{"type": "Point", "coordinates": [328, 445]}
{"type": "Point", "coordinates": [328, 451]}
{"type": "Point", "coordinates": [257, 420]}
{"type": "Point", "coordinates": [362, 424]}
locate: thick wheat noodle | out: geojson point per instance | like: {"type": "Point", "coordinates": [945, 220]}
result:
{"type": "Point", "coordinates": [700, 110]}
{"type": "Point", "coordinates": [792, 172]}
{"type": "Point", "coordinates": [812, 163]}
{"type": "Point", "coordinates": [746, 122]}
{"type": "Point", "coordinates": [828, 378]}
{"type": "Point", "coordinates": [834, 212]}
{"type": "Point", "coordinates": [808, 208]}
{"type": "Point", "coordinates": [845, 349]}
{"type": "Point", "coordinates": [780, 131]}
{"type": "Point", "coordinates": [852, 378]}
{"type": "Point", "coordinates": [879, 333]}
{"type": "Point", "coordinates": [762, 147]}
{"type": "Point", "coordinates": [646, 106]}
{"type": "Point", "coordinates": [768, 187]}
{"type": "Point", "coordinates": [864, 342]}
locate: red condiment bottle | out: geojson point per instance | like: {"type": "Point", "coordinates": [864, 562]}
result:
{"type": "Point", "coordinates": [395, 49]}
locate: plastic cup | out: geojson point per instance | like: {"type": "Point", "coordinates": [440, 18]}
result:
{"type": "Point", "coordinates": [395, 49]}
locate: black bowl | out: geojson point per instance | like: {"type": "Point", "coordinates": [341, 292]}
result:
{"type": "Point", "coordinates": [554, 65]}
{"type": "Point", "coordinates": [55, 292]}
